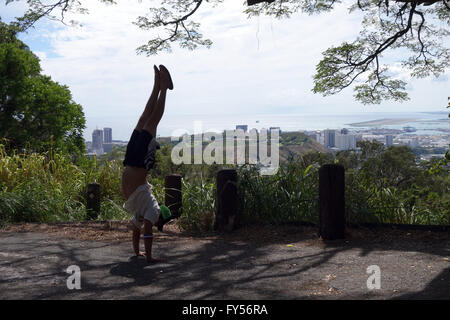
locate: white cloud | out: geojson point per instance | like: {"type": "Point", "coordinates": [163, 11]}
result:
{"type": "Point", "coordinates": [42, 55]}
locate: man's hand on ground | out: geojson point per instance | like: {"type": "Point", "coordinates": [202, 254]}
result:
{"type": "Point", "coordinates": [141, 254]}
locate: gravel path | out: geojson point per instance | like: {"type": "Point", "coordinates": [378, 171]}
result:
{"type": "Point", "coordinates": [262, 263]}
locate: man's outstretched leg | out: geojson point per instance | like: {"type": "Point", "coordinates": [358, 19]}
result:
{"type": "Point", "coordinates": [151, 103]}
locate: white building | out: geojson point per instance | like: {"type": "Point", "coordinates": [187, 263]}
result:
{"type": "Point", "coordinates": [319, 137]}
{"type": "Point", "coordinates": [274, 128]}
{"type": "Point", "coordinates": [374, 137]}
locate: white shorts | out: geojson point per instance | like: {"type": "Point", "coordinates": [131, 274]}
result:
{"type": "Point", "coordinates": [143, 205]}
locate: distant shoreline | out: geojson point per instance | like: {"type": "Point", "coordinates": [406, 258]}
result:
{"type": "Point", "coordinates": [378, 122]}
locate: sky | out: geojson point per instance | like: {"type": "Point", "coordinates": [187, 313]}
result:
{"type": "Point", "coordinates": [255, 66]}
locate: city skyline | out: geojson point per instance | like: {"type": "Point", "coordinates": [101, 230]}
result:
{"type": "Point", "coordinates": [332, 139]}
{"type": "Point", "coordinates": [102, 141]}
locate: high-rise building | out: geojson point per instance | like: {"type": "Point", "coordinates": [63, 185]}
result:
{"type": "Point", "coordinates": [97, 139]}
{"type": "Point", "coordinates": [345, 141]}
{"type": "Point", "coordinates": [107, 135]}
{"type": "Point", "coordinates": [329, 138]}
{"type": "Point", "coordinates": [389, 140]}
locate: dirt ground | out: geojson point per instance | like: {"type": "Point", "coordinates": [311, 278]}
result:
{"type": "Point", "coordinates": [259, 262]}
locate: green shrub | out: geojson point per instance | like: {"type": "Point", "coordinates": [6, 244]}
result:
{"type": "Point", "coordinates": [289, 195]}
{"type": "Point", "coordinates": [198, 204]}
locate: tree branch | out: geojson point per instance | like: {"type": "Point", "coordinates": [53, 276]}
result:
{"type": "Point", "coordinates": [253, 2]}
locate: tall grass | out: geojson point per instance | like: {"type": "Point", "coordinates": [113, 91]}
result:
{"type": "Point", "coordinates": [39, 187]}
{"type": "Point", "coordinates": [49, 187]}
{"type": "Point", "coordinates": [198, 207]}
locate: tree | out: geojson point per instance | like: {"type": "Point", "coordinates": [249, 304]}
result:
{"type": "Point", "coordinates": [35, 112]}
{"type": "Point", "coordinates": [404, 25]}
{"type": "Point", "coordinates": [393, 166]}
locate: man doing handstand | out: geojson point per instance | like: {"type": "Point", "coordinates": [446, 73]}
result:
{"type": "Point", "coordinates": [139, 159]}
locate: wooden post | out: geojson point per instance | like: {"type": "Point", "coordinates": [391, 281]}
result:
{"type": "Point", "coordinates": [332, 202]}
{"type": "Point", "coordinates": [173, 196]}
{"type": "Point", "coordinates": [93, 201]}
{"type": "Point", "coordinates": [227, 199]}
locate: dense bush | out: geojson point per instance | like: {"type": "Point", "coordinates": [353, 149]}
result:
{"type": "Point", "coordinates": [386, 185]}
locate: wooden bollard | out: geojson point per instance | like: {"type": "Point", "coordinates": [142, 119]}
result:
{"type": "Point", "coordinates": [227, 199]}
{"type": "Point", "coordinates": [173, 195]}
{"type": "Point", "coordinates": [93, 201]}
{"type": "Point", "coordinates": [332, 202]}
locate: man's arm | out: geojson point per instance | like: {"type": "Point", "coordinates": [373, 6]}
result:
{"type": "Point", "coordinates": [148, 239]}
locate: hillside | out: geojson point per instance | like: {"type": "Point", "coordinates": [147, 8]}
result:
{"type": "Point", "coordinates": [294, 144]}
